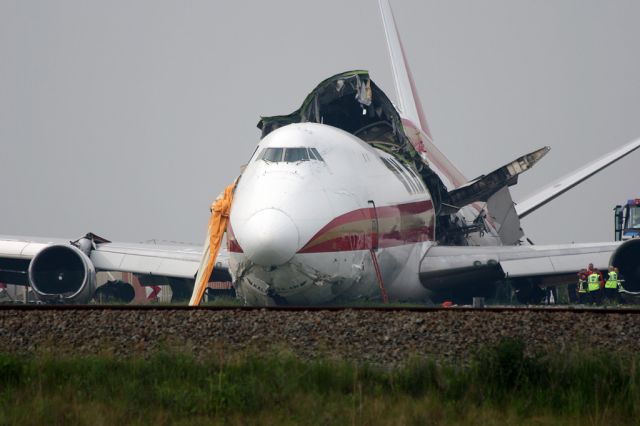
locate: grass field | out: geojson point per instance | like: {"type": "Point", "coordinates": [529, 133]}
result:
{"type": "Point", "coordinates": [503, 385]}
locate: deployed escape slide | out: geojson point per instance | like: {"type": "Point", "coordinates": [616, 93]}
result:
{"type": "Point", "coordinates": [215, 231]}
{"type": "Point", "coordinates": [351, 101]}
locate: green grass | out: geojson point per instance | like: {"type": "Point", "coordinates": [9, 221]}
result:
{"type": "Point", "coordinates": [503, 385]}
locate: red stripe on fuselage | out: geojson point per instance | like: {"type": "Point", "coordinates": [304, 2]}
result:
{"type": "Point", "coordinates": [410, 223]}
{"type": "Point", "coordinates": [351, 242]}
{"type": "Point", "coordinates": [232, 243]}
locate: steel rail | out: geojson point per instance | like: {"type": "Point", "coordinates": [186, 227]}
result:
{"type": "Point", "coordinates": [549, 309]}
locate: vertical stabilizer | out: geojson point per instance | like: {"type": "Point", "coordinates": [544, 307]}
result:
{"type": "Point", "coordinates": [408, 102]}
{"type": "Point", "coordinates": [414, 120]}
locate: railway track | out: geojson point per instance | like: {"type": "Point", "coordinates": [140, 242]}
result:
{"type": "Point", "coordinates": [163, 308]}
{"type": "Point", "coordinates": [378, 335]}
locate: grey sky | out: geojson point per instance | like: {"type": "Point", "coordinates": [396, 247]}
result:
{"type": "Point", "coordinates": [126, 118]}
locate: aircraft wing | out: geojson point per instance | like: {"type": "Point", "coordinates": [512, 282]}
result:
{"type": "Point", "coordinates": [169, 260]}
{"type": "Point", "coordinates": [63, 257]}
{"type": "Point", "coordinates": [448, 268]}
{"type": "Point", "coordinates": [567, 182]}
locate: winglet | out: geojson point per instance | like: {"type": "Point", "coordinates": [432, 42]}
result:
{"type": "Point", "coordinates": [567, 182]}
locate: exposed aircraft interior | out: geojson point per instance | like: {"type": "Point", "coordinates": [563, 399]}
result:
{"type": "Point", "coordinates": [475, 243]}
{"type": "Point", "coordinates": [351, 101]}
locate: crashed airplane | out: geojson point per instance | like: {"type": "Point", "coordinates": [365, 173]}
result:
{"type": "Point", "coordinates": [346, 199]}
{"type": "Point", "coordinates": [339, 203]}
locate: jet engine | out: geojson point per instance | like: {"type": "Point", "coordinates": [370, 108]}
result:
{"type": "Point", "coordinates": [62, 273]}
{"type": "Point", "coordinates": [627, 259]}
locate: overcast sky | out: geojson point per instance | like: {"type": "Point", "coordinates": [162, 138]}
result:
{"type": "Point", "coordinates": [127, 118]}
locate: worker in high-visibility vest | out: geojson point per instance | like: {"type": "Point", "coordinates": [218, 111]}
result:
{"type": "Point", "coordinates": [593, 287]}
{"type": "Point", "coordinates": [590, 270]}
{"type": "Point", "coordinates": [582, 286]}
{"type": "Point", "coordinates": [611, 286]}
{"type": "Point", "coordinates": [620, 281]}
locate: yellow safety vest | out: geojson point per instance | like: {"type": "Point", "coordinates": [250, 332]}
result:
{"type": "Point", "coordinates": [594, 282]}
{"type": "Point", "coordinates": [612, 281]}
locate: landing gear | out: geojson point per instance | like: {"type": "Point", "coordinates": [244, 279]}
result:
{"type": "Point", "coordinates": [529, 293]}
{"type": "Point", "coordinates": [463, 296]}
{"type": "Point", "coordinates": [116, 291]}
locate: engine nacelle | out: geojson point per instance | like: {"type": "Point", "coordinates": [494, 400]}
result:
{"type": "Point", "coordinates": [62, 273]}
{"type": "Point", "coordinates": [627, 259]}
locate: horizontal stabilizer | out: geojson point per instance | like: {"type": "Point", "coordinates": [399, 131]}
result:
{"type": "Point", "coordinates": [480, 189]}
{"type": "Point", "coordinates": [567, 182]}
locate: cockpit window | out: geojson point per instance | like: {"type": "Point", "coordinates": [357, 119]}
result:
{"type": "Point", "coordinates": [289, 155]}
{"type": "Point", "coordinates": [292, 155]}
{"type": "Point", "coordinates": [273, 155]}
{"type": "Point", "coordinates": [315, 154]}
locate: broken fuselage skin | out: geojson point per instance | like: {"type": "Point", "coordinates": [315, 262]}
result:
{"type": "Point", "coordinates": [315, 208]}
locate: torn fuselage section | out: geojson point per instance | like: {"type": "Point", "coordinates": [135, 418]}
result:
{"type": "Point", "coordinates": [483, 187]}
{"type": "Point", "coordinates": [498, 215]}
{"type": "Point", "coordinates": [351, 101]}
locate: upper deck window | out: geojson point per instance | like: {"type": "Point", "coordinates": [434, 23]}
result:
{"type": "Point", "coordinates": [408, 177]}
{"type": "Point", "coordinates": [289, 155]}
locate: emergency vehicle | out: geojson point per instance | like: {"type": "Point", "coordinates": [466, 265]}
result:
{"type": "Point", "coordinates": [627, 220]}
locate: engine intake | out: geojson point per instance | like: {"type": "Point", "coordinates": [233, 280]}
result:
{"type": "Point", "coordinates": [62, 273]}
{"type": "Point", "coordinates": [627, 259]}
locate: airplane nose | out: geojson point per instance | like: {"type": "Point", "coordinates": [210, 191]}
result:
{"type": "Point", "coordinates": [269, 238]}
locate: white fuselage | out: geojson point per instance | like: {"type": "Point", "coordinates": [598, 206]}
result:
{"type": "Point", "coordinates": [307, 228]}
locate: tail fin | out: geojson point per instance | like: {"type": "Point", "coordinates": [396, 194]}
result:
{"type": "Point", "coordinates": [414, 120]}
{"type": "Point", "coordinates": [405, 87]}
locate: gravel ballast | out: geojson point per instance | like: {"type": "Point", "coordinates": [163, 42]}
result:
{"type": "Point", "coordinates": [383, 337]}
